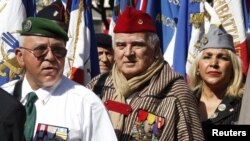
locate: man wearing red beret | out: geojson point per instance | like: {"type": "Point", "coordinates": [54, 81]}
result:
{"type": "Point", "coordinates": [146, 99]}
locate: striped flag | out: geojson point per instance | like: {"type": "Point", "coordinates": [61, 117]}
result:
{"type": "Point", "coordinates": [12, 12]}
{"type": "Point", "coordinates": [81, 62]}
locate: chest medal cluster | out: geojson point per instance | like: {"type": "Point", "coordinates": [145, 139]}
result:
{"type": "Point", "coordinates": [148, 127]}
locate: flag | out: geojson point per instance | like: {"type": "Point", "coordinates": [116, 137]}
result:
{"type": "Point", "coordinates": [12, 13]}
{"type": "Point", "coordinates": [81, 63]}
{"type": "Point", "coordinates": [231, 15]}
{"type": "Point", "coordinates": [197, 20]}
{"type": "Point", "coordinates": [30, 7]}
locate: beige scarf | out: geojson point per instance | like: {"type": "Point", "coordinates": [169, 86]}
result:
{"type": "Point", "coordinates": [125, 88]}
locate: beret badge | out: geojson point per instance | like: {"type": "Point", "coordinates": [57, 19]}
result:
{"type": "Point", "coordinates": [140, 21]}
{"type": "Point", "coordinates": [27, 26]}
{"type": "Point", "coordinates": [204, 40]}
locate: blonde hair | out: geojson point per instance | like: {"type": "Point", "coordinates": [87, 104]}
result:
{"type": "Point", "coordinates": [235, 86]}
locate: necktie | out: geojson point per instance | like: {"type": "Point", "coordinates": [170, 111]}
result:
{"type": "Point", "coordinates": [30, 116]}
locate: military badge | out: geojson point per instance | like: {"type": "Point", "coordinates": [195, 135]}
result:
{"type": "Point", "coordinates": [47, 132]}
{"type": "Point", "coordinates": [27, 25]}
{"type": "Point", "coordinates": [148, 127]}
{"type": "Point", "coordinates": [140, 21]}
{"type": "Point", "coordinates": [204, 40]}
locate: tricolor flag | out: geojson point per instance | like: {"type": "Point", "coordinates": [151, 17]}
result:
{"type": "Point", "coordinates": [81, 63]}
{"type": "Point", "coordinates": [12, 14]}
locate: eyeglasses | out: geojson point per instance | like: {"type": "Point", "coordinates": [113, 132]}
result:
{"type": "Point", "coordinates": [40, 51]}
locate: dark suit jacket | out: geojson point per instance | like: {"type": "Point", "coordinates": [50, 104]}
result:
{"type": "Point", "coordinates": [12, 118]}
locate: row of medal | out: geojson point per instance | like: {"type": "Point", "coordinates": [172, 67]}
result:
{"type": "Point", "coordinates": [148, 127]}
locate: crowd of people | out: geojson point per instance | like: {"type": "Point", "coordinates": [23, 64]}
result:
{"type": "Point", "coordinates": [136, 97]}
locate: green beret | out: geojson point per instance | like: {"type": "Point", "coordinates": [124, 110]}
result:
{"type": "Point", "coordinates": [43, 27]}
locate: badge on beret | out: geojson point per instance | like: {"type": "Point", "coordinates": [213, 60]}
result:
{"type": "Point", "coordinates": [204, 40]}
{"type": "Point", "coordinates": [27, 26]}
{"type": "Point", "coordinates": [140, 21]}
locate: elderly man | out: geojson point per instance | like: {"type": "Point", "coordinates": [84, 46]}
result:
{"type": "Point", "coordinates": [56, 107]}
{"type": "Point", "coordinates": [145, 98]}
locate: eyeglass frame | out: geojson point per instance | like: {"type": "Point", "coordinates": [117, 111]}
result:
{"type": "Point", "coordinates": [47, 50]}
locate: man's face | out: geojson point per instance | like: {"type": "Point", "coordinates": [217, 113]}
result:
{"type": "Point", "coordinates": [133, 55]}
{"type": "Point", "coordinates": [46, 70]}
{"type": "Point", "coordinates": [106, 59]}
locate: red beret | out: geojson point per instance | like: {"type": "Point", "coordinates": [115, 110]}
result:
{"type": "Point", "coordinates": [132, 20]}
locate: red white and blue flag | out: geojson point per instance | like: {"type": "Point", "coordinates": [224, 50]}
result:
{"type": "Point", "coordinates": [81, 63]}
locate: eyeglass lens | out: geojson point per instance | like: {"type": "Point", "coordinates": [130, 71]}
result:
{"type": "Point", "coordinates": [43, 50]}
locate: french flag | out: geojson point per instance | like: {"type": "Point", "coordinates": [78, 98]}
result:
{"type": "Point", "coordinates": [81, 62]}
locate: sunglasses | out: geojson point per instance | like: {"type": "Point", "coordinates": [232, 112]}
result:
{"type": "Point", "coordinates": [59, 52]}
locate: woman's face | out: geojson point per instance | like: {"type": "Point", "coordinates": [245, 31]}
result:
{"type": "Point", "coordinates": [215, 67]}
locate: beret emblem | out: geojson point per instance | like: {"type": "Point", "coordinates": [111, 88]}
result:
{"type": "Point", "coordinates": [205, 40]}
{"type": "Point", "coordinates": [140, 21]}
{"type": "Point", "coordinates": [27, 25]}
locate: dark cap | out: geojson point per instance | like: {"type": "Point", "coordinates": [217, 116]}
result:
{"type": "Point", "coordinates": [35, 26]}
{"type": "Point", "coordinates": [217, 37]}
{"type": "Point", "coordinates": [103, 40]}
{"type": "Point", "coordinates": [132, 20]}
{"type": "Point", "coordinates": [56, 12]}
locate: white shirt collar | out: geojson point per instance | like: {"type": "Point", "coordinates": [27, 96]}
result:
{"type": "Point", "coordinates": [43, 94]}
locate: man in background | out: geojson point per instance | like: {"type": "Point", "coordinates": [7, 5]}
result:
{"type": "Point", "coordinates": [105, 52]}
